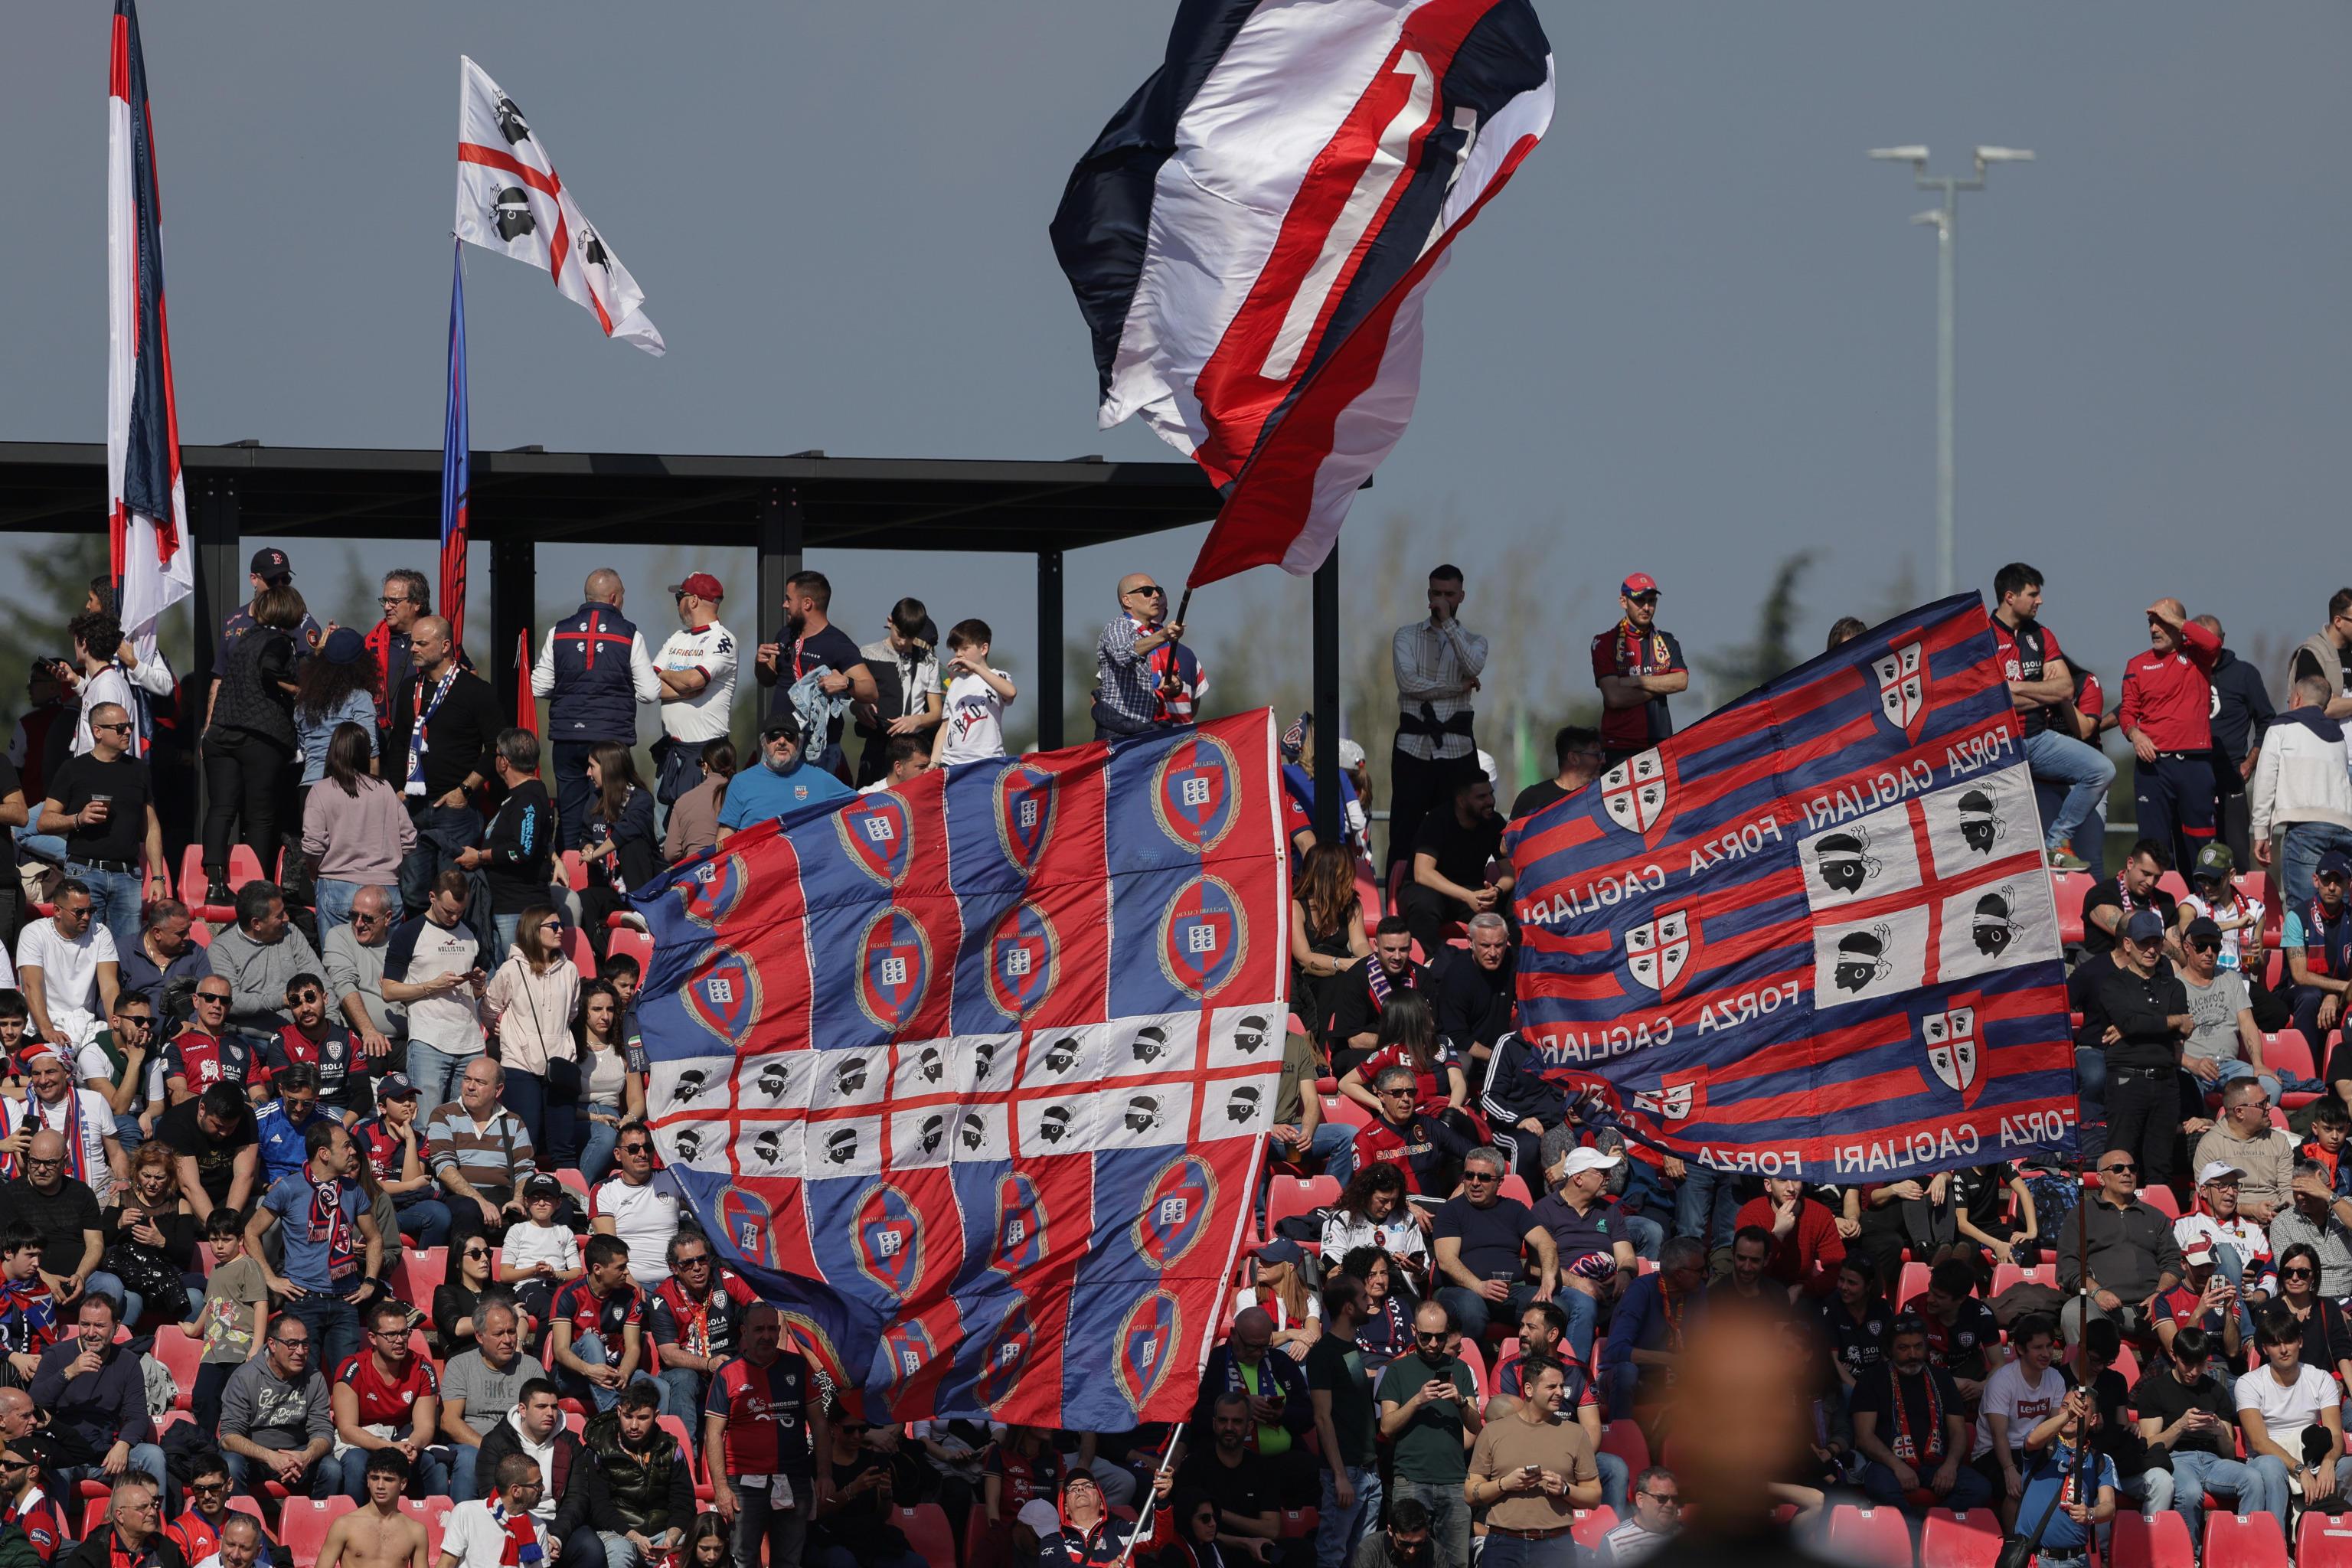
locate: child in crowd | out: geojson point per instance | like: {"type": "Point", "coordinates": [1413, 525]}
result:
{"type": "Point", "coordinates": [2330, 1125]}
{"type": "Point", "coordinates": [973, 729]}
{"type": "Point", "coordinates": [233, 1316]}
{"type": "Point", "coordinates": [540, 1255]}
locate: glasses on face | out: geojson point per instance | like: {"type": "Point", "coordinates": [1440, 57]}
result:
{"type": "Point", "coordinates": [290, 1344]}
{"type": "Point", "coordinates": [1469, 1177]}
{"type": "Point", "coordinates": [217, 998]}
{"type": "Point", "coordinates": [2262, 1105]}
{"type": "Point", "coordinates": [1665, 1500]}
{"type": "Point", "coordinates": [2203, 944]}
{"type": "Point", "coordinates": [135, 1020]}
{"type": "Point", "coordinates": [1149, 591]}
{"type": "Point", "coordinates": [694, 1263]}
{"type": "Point", "coordinates": [1422, 1338]}
{"type": "Point", "coordinates": [2119, 1167]}
{"type": "Point", "coordinates": [1644, 598]}
{"type": "Point", "coordinates": [45, 1164]}
{"type": "Point", "coordinates": [2333, 878]}
{"type": "Point", "coordinates": [208, 1486]}
{"type": "Point", "coordinates": [398, 1336]}
{"type": "Point", "coordinates": [2296, 1273]}
{"type": "Point", "coordinates": [478, 1252]}
{"type": "Point", "coordinates": [119, 724]}
{"type": "Point", "coordinates": [635, 1148]}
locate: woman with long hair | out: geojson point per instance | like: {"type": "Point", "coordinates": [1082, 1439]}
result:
{"type": "Point", "coordinates": [623, 850]}
{"type": "Point", "coordinates": [335, 688]}
{"type": "Point", "coordinates": [454, 1298]}
{"type": "Point", "coordinates": [356, 831]}
{"type": "Point", "coordinates": [1408, 1037]}
{"type": "Point", "coordinates": [1373, 1212]}
{"type": "Point", "coordinates": [1327, 936]}
{"type": "Point", "coordinates": [711, 1543]}
{"type": "Point", "coordinates": [2327, 1331]}
{"type": "Point", "coordinates": [1385, 1330]}
{"type": "Point", "coordinates": [532, 1001]}
{"type": "Point", "coordinates": [151, 1238]}
{"type": "Point", "coordinates": [611, 1096]}
{"type": "Point", "coordinates": [694, 815]}
{"type": "Point", "coordinates": [1279, 1284]}
{"type": "Point", "coordinates": [250, 742]}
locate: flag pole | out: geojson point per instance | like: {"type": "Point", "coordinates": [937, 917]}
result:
{"type": "Point", "coordinates": [1151, 1498]}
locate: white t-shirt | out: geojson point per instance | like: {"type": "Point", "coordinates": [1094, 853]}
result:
{"type": "Point", "coordinates": [704, 715]}
{"type": "Point", "coordinates": [2025, 1405]}
{"type": "Point", "coordinates": [90, 1062]}
{"type": "Point", "coordinates": [2252, 1242]}
{"type": "Point", "coordinates": [526, 1243]}
{"type": "Point", "coordinates": [68, 969]}
{"type": "Point", "coordinates": [108, 685]}
{"type": "Point", "coordinates": [2230, 940]}
{"type": "Point", "coordinates": [974, 720]}
{"type": "Point", "coordinates": [422, 951]}
{"type": "Point", "coordinates": [97, 1120]}
{"type": "Point", "coordinates": [646, 1218]}
{"type": "Point", "coordinates": [2285, 1411]}
{"type": "Point", "coordinates": [479, 1540]}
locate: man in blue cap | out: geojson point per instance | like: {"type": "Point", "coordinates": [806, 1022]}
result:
{"type": "Point", "coordinates": [2317, 940]}
{"type": "Point", "coordinates": [2136, 1010]}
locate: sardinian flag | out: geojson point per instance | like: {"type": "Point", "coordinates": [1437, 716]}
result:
{"type": "Point", "coordinates": [147, 510]}
{"type": "Point", "coordinates": [510, 200]}
{"type": "Point", "coordinates": [1252, 236]}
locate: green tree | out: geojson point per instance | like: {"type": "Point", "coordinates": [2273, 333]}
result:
{"type": "Point", "coordinates": [1772, 652]}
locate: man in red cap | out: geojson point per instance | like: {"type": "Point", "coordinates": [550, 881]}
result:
{"type": "Point", "coordinates": [1637, 667]}
{"type": "Point", "coordinates": [697, 667]}
{"type": "Point", "coordinates": [2167, 715]}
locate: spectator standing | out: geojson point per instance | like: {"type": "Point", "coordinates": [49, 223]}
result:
{"type": "Point", "coordinates": [407, 597]}
{"type": "Point", "coordinates": [2187, 1417]}
{"type": "Point", "coordinates": [2325, 657]}
{"type": "Point", "coordinates": [822, 654]}
{"type": "Point", "coordinates": [481, 1383]}
{"type": "Point", "coordinates": [1534, 1473]}
{"type": "Point", "coordinates": [2131, 1257]}
{"type": "Point", "coordinates": [2242, 712]}
{"type": "Point", "coordinates": [166, 959]}
{"type": "Point", "coordinates": [517, 856]}
{"type": "Point", "coordinates": [624, 849]}
{"type": "Point", "coordinates": [2300, 798]}
{"type": "Point", "coordinates": [784, 782]}
{"type": "Point", "coordinates": [2146, 1011]}
{"type": "Point", "coordinates": [1327, 936]}
{"type": "Point", "coordinates": [1346, 1424]}
{"type": "Point", "coordinates": [98, 677]}
{"type": "Point", "coordinates": [250, 742]}
{"type": "Point", "coordinates": [1637, 667]}
{"type": "Point", "coordinates": [355, 832]}
{"type": "Point", "coordinates": [446, 722]}
{"type": "Point", "coordinates": [96, 1400]}
{"type": "Point", "coordinates": [906, 686]}
{"type": "Point", "coordinates": [1437, 663]}
{"type": "Point", "coordinates": [697, 667]}
{"type": "Point", "coordinates": [68, 967]}
{"type": "Point", "coordinates": [1146, 678]}
{"type": "Point", "coordinates": [611, 1094]}
{"type": "Point", "coordinates": [2167, 715]}
{"type": "Point", "coordinates": [693, 824]}
{"type": "Point", "coordinates": [974, 696]}
{"type": "Point", "coordinates": [2042, 690]}
{"type": "Point", "coordinates": [354, 955]}
{"type": "Point", "coordinates": [2316, 937]}
{"type": "Point", "coordinates": [103, 802]}
{"type": "Point", "coordinates": [530, 1002]}
{"type": "Point", "coordinates": [696, 1319]}
{"type": "Point", "coordinates": [1454, 849]}
{"type": "Point", "coordinates": [1278, 1414]}
{"type": "Point", "coordinates": [481, 1152]}
{"type": "Point", "coordinates": [233, 1318]}
{"type": "Point", "coordinates": [1911, 1427]}
{"type": "Point", "coordinates": [334, 690]}
{"type": "Point", "coordinates": [260, 957]}
{"type": "Point", "coordinates": [762, 1420]}
{"type": "Point", "coordinates": [1429, 1413]}
{"type": "Point", "coordinates": [1806, 1246]}
{"type": "Point", "coordinates": [1478, 1000]}
{"type": "Point", "coordinates": [432, 968]}
{"type": "Point", "coordinates": [15, 816]}
{"type": "Point", "coordinates": [333, 1253]}
{"type": "Point", "coordinates": [596, 667]}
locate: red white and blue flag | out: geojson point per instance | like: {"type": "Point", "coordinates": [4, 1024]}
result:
{"type": "Point", "coordinates": [1252, 236]}
{"type": "Point", "coordinates": [147, 507]}
{"type": "Point", "coordinates": [1813, 934]}
{"type": "Point", "coordinates": [984, 1066]}
{"type": "Point", "coordinates": [457, 463]}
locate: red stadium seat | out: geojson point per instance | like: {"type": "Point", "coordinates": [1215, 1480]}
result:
{"type": "Point", "coordinates": [2173, 882]}
{"type": "Point", "coordinates": [575, 870]}
{"type": "Point", "coordinates": [422, 1272]}
{"type": "Point", "coordinates": [2251, 1542]}
{"type": "Point", "coordinates": [986, 1545]}
{"type": "Point", "coordinates": [1877, 1537]}
{"type": "Point", "coordinates": [1516, 1186]}
{"type": "Point", "coordinates": [636, 944]}
{"type": "Point", "coordinates": [1290, 1196]}
{"type": "Point", "coordinates": [244, 866]}
{"type": "Point", "coordinates": [2162, 1200]}
{"type": "Point", "coordinates": [2070, 889]}
{"type": "Point", "coordinates": [1915, 1281]}
{"type": "Point", "coordinates": [2323, 1540]}
{"type": "Point", "coordinates": [1299, 1522]}
{"type": "Point", "coordinates": [302, 1525]}
{"type": "Point", "coordinates": [253, 1507]}
{"type": "Point", "coordinates": [1590, 1524]}
{"type": "Point", "coordinates": [1475, 1358]}
{"type": "Point", "coordinates": [93, 1515]}
{"type": "Point", "coordinates": [2159, 1543]}
{"type": "Point", "coordinates": [576, 949]}
{"type": "Point", "coordinates": [180, 1356]}
{"type": "Point", "coordinates": [572, 1179]}
{"type": "Point", "coordinates": [1970, 1540]}
{"type": "Point", "coordinates": [1624, 1439]}
{"type": "Point", "coordinates": [433, 1513]}
{"type": "Point", "coordinates": [927, 1530]}
{"type": "Point", "coordinates": [2289, 1052]}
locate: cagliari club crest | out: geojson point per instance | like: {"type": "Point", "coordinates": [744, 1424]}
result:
{"type": "Point", "coordinates": [1634, 791]}
{"type": "Point", "coordinates": [1950, 1037]}
{"type": "Point", "coordinates": [1902, 687]}
{"type": "Point", "coordinates": [1657, 951]}
{"type": "Point", "coordinates": [1669, 1102]}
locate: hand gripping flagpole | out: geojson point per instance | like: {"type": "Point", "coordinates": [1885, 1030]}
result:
{"type": "Point", "coordinates": [1152, 1500]}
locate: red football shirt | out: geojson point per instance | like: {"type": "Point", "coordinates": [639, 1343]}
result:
{"type": "Point", "coordinates": [388, 1401]}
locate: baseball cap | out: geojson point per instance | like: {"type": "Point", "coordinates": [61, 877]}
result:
{"type": "Point", "coordinates": [542, 1186]}
{"type": "Point", "coordinates": [343, 645]}
{"type": "Point", "coordinates": [784, 721]}
{"type": "Point", "coordinates": [701, 584]}
{"type": "Point", "coordinates": [396, 1086]}
{"type": "Point", "coordinates": [2334, 863]}
{"type": "Point", "coordinates": [1639, 583]}
{"type": "Point", "coordinates": [2202, 928]}
{"type": "Point", "coordinates": [1039, 1515]}
{"type": "Point", "coordinates": [2215, 860]}
{"type": "Point", "coordinates": [270, 562]}
{"type": "Point", "coordinates": [1282, 1249]}
{"type": "Point", "coordinates": [1351, 753]}
{"type": "Point", "coordinates": [2197, 1249]}
{"type": "Point", "coordinates": [1587, 1158]}
{"type": "Point", "coordinates": [2144, 925]}
{"type": "Point", "coordinates": [2214, 1169]}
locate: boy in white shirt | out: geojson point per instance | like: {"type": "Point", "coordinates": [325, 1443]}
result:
{"type": "Point", "coordinates": [540, 1256]}
{"type": "Point", "coordinates": [2020, 1396]}
{"type": "Point", "coordinates": [973, 730]}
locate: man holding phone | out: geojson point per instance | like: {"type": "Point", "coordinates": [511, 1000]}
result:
{"type": "Point", "coordinates": [1429, 1411]}
{"type": "Point", "coordinates": [1532, 1471]}
{"type": "Point", "coordinates": [2188, 1419]}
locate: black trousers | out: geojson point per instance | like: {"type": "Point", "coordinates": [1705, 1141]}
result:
{"type": "Point", "coordinates": [2174, 800]}
{"type": "Point", "coordinates": [575, 797]}
{"type": "Point", "coordinates": [248, 779]}
{"type": "Point", "coordinates": [2233, 811]}
{"type": "Point", "coordinates": [2144, 1117]}
{"type": "Point", "coordinates": [1428, 913]}
{"type": "Point", "coordinates": [1416, 788]}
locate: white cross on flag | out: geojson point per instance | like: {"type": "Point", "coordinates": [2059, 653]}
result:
{"type": "Point", "coordinates": [510, 200]}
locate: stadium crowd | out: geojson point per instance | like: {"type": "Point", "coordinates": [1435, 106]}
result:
{"type": "Point", "coordinates": [333, 1230]}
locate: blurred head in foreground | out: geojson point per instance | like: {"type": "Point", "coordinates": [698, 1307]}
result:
{"type": "Point", "coordinates": [1740, 1417]}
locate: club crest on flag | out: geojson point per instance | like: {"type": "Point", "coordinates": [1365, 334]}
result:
{"type": "Point", "coordinates": [887, 1234]}
{"type": "Point", "coordinates": [907, 1347]}
{"type": "Point", "coordinates": [1657, 951]}
{"type": "Point", "coordinates": [1672, 1101]}
{"type": "Point", "coordinates": [1020, 1225]}
{"type": "Point", "coordinates": [1025, 799]}
{"type": "Point", "coordinates": [1950, 1038]}
{"type": "Point", "coordinates": [878, 835]}
{"type": "Point", "coordinates": [1202, 937]}
{"type": "Point", "coordinates": [1147, 1346]}
{"type": "Point", "coordinates": [723, 996]}
{"type": "Point", "coordinates": [894, 966]}
{"type": "Point", "coordinates": [1024, 953]}
{"type": "Point", "coordinates": [1176, 1209]}
{"type": "Point", "coordinates": [1902, 687]}
{"type": "Point", "coordinates": [708, 894]}
{"type": "Point", "coordinates": [1008, 1356]}
{"type": "Point", "coordinates": [1635, 793]}
{"type": "Point", "coordinates": [745, 1218]}
{"type": "Point", "coordinates": [1195, 793]}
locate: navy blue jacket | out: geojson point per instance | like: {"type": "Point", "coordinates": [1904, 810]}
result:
{"type": "Point", "coordinates": [595, 698]}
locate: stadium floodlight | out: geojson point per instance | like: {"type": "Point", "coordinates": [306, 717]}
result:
{"type": "Point", "coordinates": [2004, 155]}
{"type": "Point", "coordinates": [1900, 155]}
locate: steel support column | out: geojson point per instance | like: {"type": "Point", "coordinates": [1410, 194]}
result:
{"type": "Point", "coordinates": [1049, 649]}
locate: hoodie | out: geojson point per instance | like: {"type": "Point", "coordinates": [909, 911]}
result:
{"type": "Point", "coordinates": [2301, 774]}
{"type": "Point", "coordinates": [555, 1458]}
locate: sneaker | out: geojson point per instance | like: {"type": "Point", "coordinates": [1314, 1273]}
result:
{"type": "Point", "coordinates": [2066, 861]}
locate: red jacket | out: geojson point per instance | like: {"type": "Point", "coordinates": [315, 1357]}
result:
{"type": "Point", "coordinates": [2170, 696]}
{"type": "Point", "coordinates": [1808, 1256]}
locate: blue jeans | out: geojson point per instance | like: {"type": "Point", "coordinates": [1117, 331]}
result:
{"type": "Point", "coordinates": [1339, 1529]}
{"type": "Point", "coordinates": [461, 1473]}
{"type": "Point", "coordinates": [425, 1221]}
{"type": "Point", "coordinates": [1449, 1518]}
{"type": "Point", "coordinates": [553, 1118]}
{"type": "Point", "coordinates": [2271, 1479]}
{"type": "Point", "coordinates": [436, 1072]}
{"type": "Point", "coordinates": [2238, 1067]}
{"type": "Point", "coordinates": [101, 1283]}
{"type": "Point", "coordinates": [128, 1132]}
{"type": "Point", "coordinates": [2298, 857]}
{"type": "Point", "coordinates": [681, 1389]}
{"type": "Point", "coordinates": [590, 1348]}
{"type": "Point", "coordinates": [575, 797]}
{"type": "Point", "coordinates": [48, 848]}
{"type": "Point", "coordinates": [335, 898]}
{"type": "Point", "coordinates": [442, 831]}
{"type": "Point", "coordinates": [596, 1141]}
{"type": "Point", "coordinates": [1706, 1205]}
{"type": "Point", "coordinates": [2193, 1474]}
{"type": "Point", "coordinates": [145, 1458]}
{"type": "Point", "coordinates": [114, 898]}
{"type": "Point", "coordinates": [1616, 1482]}
{"type": "Point", "coordinates": [1504, 1551]}
{"type": "Point", "coordinates": [335, 1325]}
{"type": "Point", "coordinates": [2084, 771]}
{"type": "Point", "coordinates": [428, 1476]}
{"type": "Point", "coordinates": [1969, 1488]}
{"type": "Point", "coordinates": [1645, 1234]}
{"type": "Point", "coordinates": [503, 929]}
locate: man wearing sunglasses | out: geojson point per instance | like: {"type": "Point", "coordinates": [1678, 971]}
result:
{"type": "Point", "coordinates": [2135, 1011]}
{"type": "Point", "coordinates": [2131, 1258]}
{"type": "Point", "coordinates": [697, 1316]}
{"type": "Point", "coordinates": [639, 1205]}
{"type": "Point", "coordinates": [1637, 667]}
{"type": "Point", "coordinates": [1146, 677]}
{"type": "Point", "coordinates": [26, 1505]}
{"type": "Point", "coordinates": [102, 801]}
{"type": "Point", "coordinates": [1657, 1519]}
{"type": "Point", "coordinates": [2226, 1046]}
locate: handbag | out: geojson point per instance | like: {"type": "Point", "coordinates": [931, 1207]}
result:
{"type": "Point", "coordinates": [149, 1276]}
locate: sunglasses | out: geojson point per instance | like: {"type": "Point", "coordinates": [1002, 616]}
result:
{"type": "Point", "coordinates": [2204, 944]}
{"type": "Point", "coordinates": [2125, 1165]}
{"type": "Point", "coordinates": [477, 1252]}
{"type": "Point", "coordinates": [115, 726]}
{"type": "Point", "coordinates": [218, 998]}
{"type": "Point", "coordinates": [1480, 1176]}
{"type": "Point", "coordinates": [1651, 598]}
{"type": "Point", "coordinates": [1422, 1338]}
{"type": "Point", "coordinates": [1151, 591]}
{"type": "Point", "coordinates": [2296, 1274]}
{"type": "Point", "coordinates": [1665, 1500]}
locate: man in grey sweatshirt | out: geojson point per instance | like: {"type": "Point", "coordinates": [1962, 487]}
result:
{"type": "Point", "coordinates": [277, 1421]}
{"type": "Point", "coordinates": [355, 953]}
{"type": "Point", "coordinates": [258, 956]}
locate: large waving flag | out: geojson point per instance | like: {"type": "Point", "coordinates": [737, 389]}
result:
{"type": "Point", "coordinates": [985, 1065]}
{"type": "Point", "coordinates": [1813, 935]}
{"type": "Point", "coordinates": [510, 200]}
{"type": "Point", "coordinates": [147, 507]}
{"type": "Point", "coordinates": [1253, 235]}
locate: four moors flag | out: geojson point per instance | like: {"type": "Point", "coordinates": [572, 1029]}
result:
{"type": "Point", "coordinates": [147, 505]}
{"type": "Point", "coordinates": [510, 200]}
{"type": "Point", "coordinates": [972, 1077]}
{"type": "Point", "coordinates": [1253, 235]}
{"type": "Point", "coordinates": [1813, 934]}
